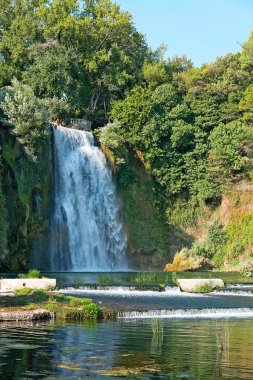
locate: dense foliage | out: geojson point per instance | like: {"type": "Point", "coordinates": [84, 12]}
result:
{"type": "Point", "coordinates": [190, 127]}
{"type": "Point", "coordinates": [28, 115]}
{"type": "Point", "coordinates": [3, 223]}
{"type": "Point", "coordinates": [78, 54]}
{"type": "Point", "coordinates": [193, 129]}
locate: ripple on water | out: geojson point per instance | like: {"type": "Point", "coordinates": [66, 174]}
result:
{"type": "Point", "coordinates": [194, 349]}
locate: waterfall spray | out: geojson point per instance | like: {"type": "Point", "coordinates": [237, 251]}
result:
{"type": "Point", "coordinates": [86, 228]}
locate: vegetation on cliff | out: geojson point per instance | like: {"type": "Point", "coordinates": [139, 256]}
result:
{"type": "Point", "coordinates": [180, 137]}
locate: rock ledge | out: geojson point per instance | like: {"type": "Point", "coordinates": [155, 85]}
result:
{"type": "Point", "coordinates": [23, 315]}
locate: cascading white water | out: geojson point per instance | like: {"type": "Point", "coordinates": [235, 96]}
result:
{"type": "Point", "coordinates": [86, 231]}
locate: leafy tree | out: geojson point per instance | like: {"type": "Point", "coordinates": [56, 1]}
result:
{"type": "Point", "coordinates": [154, 73]}
{"type": "Point", "coordinates": [20, 28]}
{"type": "Point", "coordinates": [110, 136]}
{"type": "Point", "coordinates": [28, 116]}
{"type": "Point", "coordinates": [226, 155]}
{"type": "Point", "coordinates": [247, 53]}
{"type": "Point", "coordinates": [246, 105]}
{"type": "Point", "coordinates": [55, 73]}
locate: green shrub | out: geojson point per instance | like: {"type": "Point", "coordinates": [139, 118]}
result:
{"type": "Point", "coordinates": [174, 279]}
{"type": "Point", "coordinates": [75, 302]}
{"type": "Point", "coordinates": [33, 273]}
{"type": "Point", "coordinates": [72, 314]}
{"type": "Point", "coordinates": [246, 274]}
{"type": "Point", "coordinates": [216, 236]}
{"type": "Point", "coordinates": [199, 249]}
{"type": "Point", "coordinates": [62, 298]}
{"type": "Point", "coordinates": [151, 277]}
{"type": "Point", "coordinates": [23, 291]}
{"type": "Point", "coordinates": [40, 295]}
{"type": "Point", "coordinates": [205, 288]}
{"type": "Point", "coordinates": [91, 311]}
{"type": "Point", "coordinates": [53, 307]}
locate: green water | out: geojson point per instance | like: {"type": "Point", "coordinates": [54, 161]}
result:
{"type": "Point", "coordinates": [126, 278]}
{"type": "Point", "coordinates": [187, 349]}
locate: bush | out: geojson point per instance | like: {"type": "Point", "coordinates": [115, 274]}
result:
{"type": "Point", "coordinates": [53, 307]}
{"type": "Point", "coordinates": [199, 249]}
{"type": "Point", "coordinates": [40, 295]}
{"type": "Point", "coordinates": [91, 311]}
{"type": "Point", "coordinates": [23, 292]}
{"type": "Point", "coordinates": [216, 239]}
{"type": "Point", "coordinates": [75, 302]}
{"type": "Point", "coordinates": [33, 273]}
{"type": "Point", "coordinates": [205, 288]}
{"type": "Point", "coordinates": [151, 277]}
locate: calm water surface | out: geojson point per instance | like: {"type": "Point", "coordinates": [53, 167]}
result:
{"type": "Point", "coordinates": [127, 349]}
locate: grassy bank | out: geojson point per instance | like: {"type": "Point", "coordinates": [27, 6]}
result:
{"type": "Point", "coordinates": [63, 307]}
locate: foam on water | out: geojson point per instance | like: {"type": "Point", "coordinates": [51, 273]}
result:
{"type": "Point", "coordinates": [124, 291]}
{"type": "Point", "coordinates": [241, 286]}
{"type": "Point", "coordinates": [233, 293]}
{"type": "Point", "coordinates": [188, 313]}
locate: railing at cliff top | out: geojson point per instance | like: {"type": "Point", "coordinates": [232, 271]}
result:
{"type": "Point", "coordinates": [83, 124]}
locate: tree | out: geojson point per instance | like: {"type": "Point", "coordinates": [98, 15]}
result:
{"type": "Point", "coordinates": [28, 116]}
{"type": "Point", "coordinates": [246, 105]}
{"type": "Point", "coordinates": [154, 73]}
{"type": "Point", "coordinates": [55, 73]}
{"type": "Point", "coordinates": [20, 28]}
{"type": "Point", "coordinates": [226, 150]}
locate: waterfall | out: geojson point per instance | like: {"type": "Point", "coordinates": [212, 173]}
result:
{"type": "Point", "coordinates": [86, 230]}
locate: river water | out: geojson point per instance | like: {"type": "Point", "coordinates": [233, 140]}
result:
{"type": "Point", "coordinates": [156, 335]}
{"type": "Point", "coordinates": [193, 348]}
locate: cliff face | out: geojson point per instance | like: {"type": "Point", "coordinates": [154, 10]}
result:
{"type": "Point", "coordinates": [26, 189]}
{"type": "Point", "coordinates": [222, 237]}
{"type": "Point", "coordinates": [151, 241]}
{"type": "Point", "coordinates": [25, 206]}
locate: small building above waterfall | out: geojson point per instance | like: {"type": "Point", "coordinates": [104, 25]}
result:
{"type": "Point", "coordinates": [82, 124]}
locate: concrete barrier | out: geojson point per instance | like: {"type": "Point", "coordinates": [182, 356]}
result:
{"type": "Point", "coordinates": [195, 284]}
{"type": "Point", "coordinates": [9, 285]}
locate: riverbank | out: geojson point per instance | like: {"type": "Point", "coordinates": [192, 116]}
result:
{"type": "Point", "coordinates": [28, 304]}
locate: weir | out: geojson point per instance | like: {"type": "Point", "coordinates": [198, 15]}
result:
{"type": "Point", "coordinates": [86, 229]}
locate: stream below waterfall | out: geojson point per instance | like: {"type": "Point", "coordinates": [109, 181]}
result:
{"type": "Point", "coordinates": [156, 335]}
{"type": "Point", "coordinates": [193, 349]}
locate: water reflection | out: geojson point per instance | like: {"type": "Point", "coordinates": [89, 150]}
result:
{"type": "Point", "coordinates": [187, 349]}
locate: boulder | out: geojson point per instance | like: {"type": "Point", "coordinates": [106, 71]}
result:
{"type": "Point", "coordinates": [200, 285]}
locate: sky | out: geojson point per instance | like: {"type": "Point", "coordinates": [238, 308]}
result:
{"type": "Point", "coordinates": [201, 29]}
